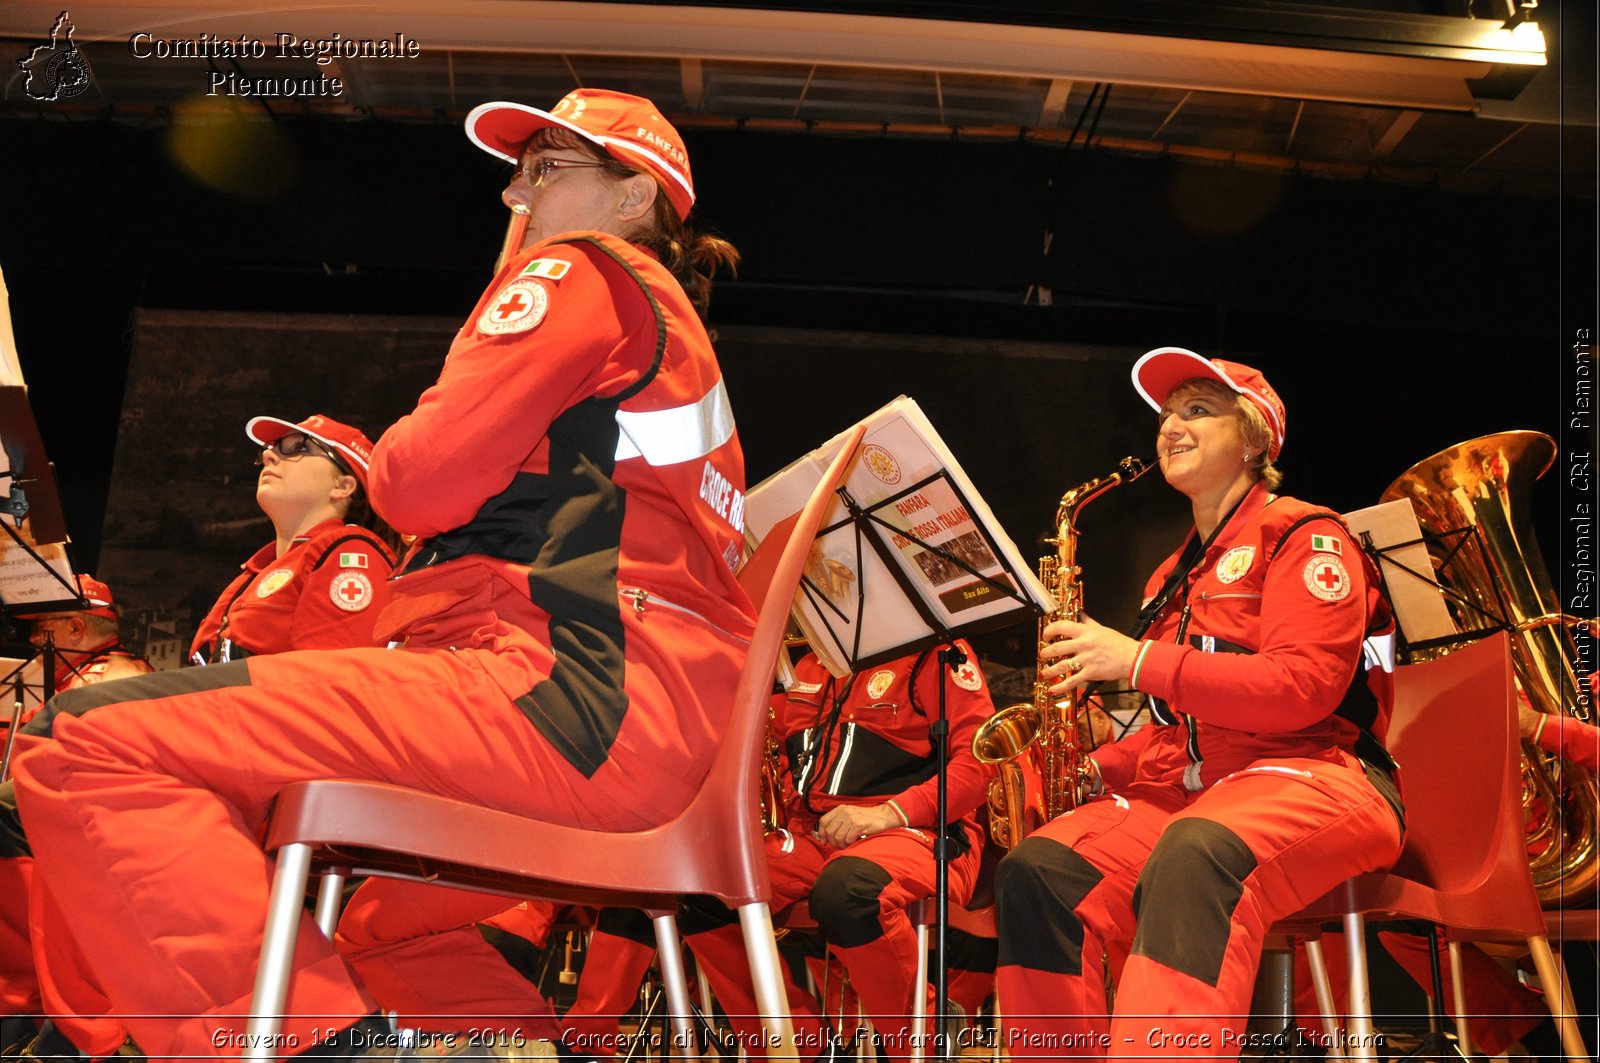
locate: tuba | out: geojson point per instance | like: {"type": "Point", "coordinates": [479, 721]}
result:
{"type": "Point", "coordinates": [1479, 489]}
{"type": "Point", "coordinates": [1050, 733]}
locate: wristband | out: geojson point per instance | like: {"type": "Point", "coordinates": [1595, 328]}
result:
{"type": "Point", "coordinates": [1138, 660]}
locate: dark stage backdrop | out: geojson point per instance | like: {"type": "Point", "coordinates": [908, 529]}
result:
{"type": "Point", "coordinates": [1027, 421]}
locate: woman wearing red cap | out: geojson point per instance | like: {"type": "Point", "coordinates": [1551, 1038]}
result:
{"type": "Point", "coordinates": [320, 582]}
{"type": "Point", "coordinates": [569, 629]}
{"type": "Point", "coordinates": [1262, 782]}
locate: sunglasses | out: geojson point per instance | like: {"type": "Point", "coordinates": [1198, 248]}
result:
{"type": "Point", "coordinates": [296, 445]}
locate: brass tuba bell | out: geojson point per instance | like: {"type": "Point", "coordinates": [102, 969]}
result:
{"type": "Point", "coordinates": [1477, 492]}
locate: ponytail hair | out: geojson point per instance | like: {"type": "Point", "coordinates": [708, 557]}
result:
{"type": "Point", "coordinates": [692, 257]}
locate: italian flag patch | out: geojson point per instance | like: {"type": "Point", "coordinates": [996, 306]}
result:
{"type": "Point", "coordinates": [352, 560]}
{"type": "Point", "coordinates": [1325, 544]}
{"type": "Point", "coordinates": [552, 269]}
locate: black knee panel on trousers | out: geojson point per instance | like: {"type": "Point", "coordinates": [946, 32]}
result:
{"type": "Point", "coordinates": [177, 681]}
{"type": "Point", "coordinates": [844, 901]}
{"type": "Point", "coordinates": [628, 923]}
{"type": "Point", "coordinates": [699, 914]}
{"type": "Point", "coordinates": [969, 952]}
{"type": "Point", "coordinates": [13, 839]}
{"type": "Point", "coordinates": [1186, 897]}
{"type": "Point", "coordinates": [1038, 887]}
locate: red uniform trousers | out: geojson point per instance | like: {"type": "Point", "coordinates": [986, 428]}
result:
{"type": "Point", "coordinates": [19, 985]}
{"type": "Point", "coordinates": [620, 951]}
{"type": "Point", "coordinates": [419, 952]}
{"type": "Point", "coordinates": [1177, 889]}
{"type": "Point", "coordinates": [858, 896]}
{"type": "Point", "coordinates": [170, 780]}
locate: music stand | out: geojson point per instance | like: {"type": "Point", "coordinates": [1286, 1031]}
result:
{"type": "Point", "coordinates": [35, 574]}
{"type": "Point", "coordinates": [1390, 534]}
{"type": "Point", "coordinates": [910, 532]}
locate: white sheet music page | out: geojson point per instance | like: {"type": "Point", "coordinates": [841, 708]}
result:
{"type": "Point", "coordinates": [938, 532]}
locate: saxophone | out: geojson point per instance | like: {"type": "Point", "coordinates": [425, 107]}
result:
{"type": "Point", "coordinates": [1048, 733]}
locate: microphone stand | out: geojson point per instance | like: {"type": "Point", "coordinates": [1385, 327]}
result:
{"type": "Point", "coordinates": [47, 656]}
{"type": "Point", "coordinates": [951, 657]}
{"type": "Point", "coordinates": [11, 732]}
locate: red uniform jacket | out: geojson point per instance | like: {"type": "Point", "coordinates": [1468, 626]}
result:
{"type": "Point", "coordinates": [876, 747]}
{"type": "Point", "coordinates": [322, 594]}
{"type": "Point", "coordinates": [1261, 653]}
{"type": "Point", "coordinates": [576, 468]}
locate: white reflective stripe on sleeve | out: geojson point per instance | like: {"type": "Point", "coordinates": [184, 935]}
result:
{"type": "Point", "coordinates": [683, 433]}
{"type": "Point", "coordinates": [1379, 650]}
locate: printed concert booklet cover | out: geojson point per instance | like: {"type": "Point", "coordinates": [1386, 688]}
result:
{"type": "Point", "coordinates": [915, 556]}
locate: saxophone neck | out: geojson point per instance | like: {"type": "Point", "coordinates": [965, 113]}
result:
{"type": "Point", "coordinates": [1065, 541]}
{"type": "Point", "coordinates": [1128, 470]}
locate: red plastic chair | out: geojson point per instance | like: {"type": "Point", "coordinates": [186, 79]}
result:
{"type": "Point", "coordinates": [714, 846]}
{"type": "Point", "coordinates": [1464, 864]}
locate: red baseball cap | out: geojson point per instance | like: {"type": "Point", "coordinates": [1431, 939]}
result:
{"type": "Point", "coordinates": [92, 591]}
{"type": "Point", "coordinates": [354, 447]}
{"type": "Point", "coordinates": [628, 128]}
{"type": "Point", "coordinates": [1157, 372]}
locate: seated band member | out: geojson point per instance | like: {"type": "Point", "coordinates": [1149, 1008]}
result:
{"type": "Point", "coordinates": [1261, 785]}
{"type": "Point", "coordinates": [858, 840]}
{"type": "Point", "coordinates": [320, 581]}
{"type": "Point", "coordinates": [87, 642]}
{"type": "Point", "coordinates": [317, 585]}
{"type": "Point", "coordinates": [570, 627]}
{"type": "Point", "coordinates": [88, 649]}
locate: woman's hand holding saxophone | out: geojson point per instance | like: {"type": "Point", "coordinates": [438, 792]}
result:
{"type": "Point", "coordinates": [1080, 653]}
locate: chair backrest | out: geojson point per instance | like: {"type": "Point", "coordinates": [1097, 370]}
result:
{"type": "Point", "coordinates": [771, 578]}
{"type": "Point", "coordinates": [713, 846]}
{"type": "Point", "coordinates": [1454, 734]}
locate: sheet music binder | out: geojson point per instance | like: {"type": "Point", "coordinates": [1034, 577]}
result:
{"type": "Point", "coordinates": [35, 572]}
{"type": "Point", "coordinates": [909, 557]}
{"type": "Point", "coordinates": [1390, 532]}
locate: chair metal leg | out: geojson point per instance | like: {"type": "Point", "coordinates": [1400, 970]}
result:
{"type": "Point", "coordinates": [702, 986]}
{"type": "Point", "coordinates": [1361, 1036]}
{"type": "Point", "coordinates": [669, 956]}
{"type": "Point", "coordinates": [271, 991]}
{"type": "Point", "coordinates": [330, 893]}
{"type": "Point", "coordinates": [1558, 996]}
{"type": "Point", "coordinates": [1324, 990]}
{"type": "Point", "coordinates": [761, 949]}
{"type": "Point", "coordinates": [919, 998]}
{"type": "Point", "coordinates": [1458, 998]}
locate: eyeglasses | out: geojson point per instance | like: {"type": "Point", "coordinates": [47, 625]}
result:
{"type": "Point", "coordinates": [295, 446]}
{"type": "Point", "coordinates": [537, 170]}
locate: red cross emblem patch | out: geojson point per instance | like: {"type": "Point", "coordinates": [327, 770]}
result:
{"type": "Point", "coordinates": [351, 590]}
{"type": "Point", "coordinates": [1326, 577]}
{"type": "Point", "coordinates": [517, 307]}
{"type": "Point", "coordinates": [968, 677]}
